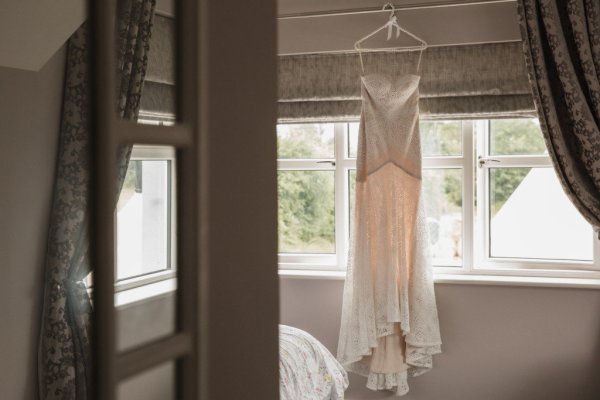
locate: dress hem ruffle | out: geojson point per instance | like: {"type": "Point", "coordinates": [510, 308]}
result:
{"type": "Point", "coordinates": [419, 359]}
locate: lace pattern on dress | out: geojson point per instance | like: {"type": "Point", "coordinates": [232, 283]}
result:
{"type": "Point", "coordinates": [389, 285]}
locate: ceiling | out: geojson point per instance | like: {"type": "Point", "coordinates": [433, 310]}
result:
{"type": "Point", "coordinates": [31, 31]}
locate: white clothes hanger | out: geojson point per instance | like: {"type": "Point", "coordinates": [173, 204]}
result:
{"type": "Point", "coordinates": [390, 25]}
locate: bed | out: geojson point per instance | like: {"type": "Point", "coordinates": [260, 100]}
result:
{"type": "Point", "coordinates": [308, 371]}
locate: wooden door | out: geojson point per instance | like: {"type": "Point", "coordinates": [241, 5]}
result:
{"type": "Point", "coordinates": [226, 342]}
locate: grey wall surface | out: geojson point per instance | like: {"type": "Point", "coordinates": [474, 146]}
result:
{"type": "Point", "coordinates": [500, 342]}
{"type": "Point", "coordinates": [30, 104]}
{"type": "Point", "coordinates": [438, 26]}
{"type": "Point", "coordinates": [140, 323]}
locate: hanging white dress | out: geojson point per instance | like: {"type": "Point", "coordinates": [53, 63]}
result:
{"type": "Point", "coordinates": [389, 328]}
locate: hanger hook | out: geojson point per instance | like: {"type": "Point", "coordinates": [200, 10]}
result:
{"type": "Point", "coordinates": [391, 7]}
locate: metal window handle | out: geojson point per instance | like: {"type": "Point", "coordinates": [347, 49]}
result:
{"type": "Point", "coordinates": [484, 160]}
{"type": "Point", "coordinates": [327, 162]}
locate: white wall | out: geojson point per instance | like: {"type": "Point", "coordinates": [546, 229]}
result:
{"type": "Point", "coordinates": [30, 104]}
{"type": "Point", "coordinates": [499, 342]}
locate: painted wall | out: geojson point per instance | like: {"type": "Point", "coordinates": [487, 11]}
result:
{"type": "Point", "coordinates": [500, 342]}
{"type": "Point", "coordinates": [30, 104]}
{"type": "Point", "coordinates": [140, 323]}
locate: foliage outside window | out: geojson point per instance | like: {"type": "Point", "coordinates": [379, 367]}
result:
{"type": "Point", "coordinates": [492, 201]}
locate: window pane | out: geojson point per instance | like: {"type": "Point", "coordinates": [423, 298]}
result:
{"type": "Point", "coordinates": [531, 217]}
{"type": "Point", "coordinates": [305, 141]}
{"type": "Point", "coordinates": [516, 137]}
{"type": "Point", "coordinates": [441, 138]}
{"type": "Point", "coordinates": [143, 219]}
{"type": "Point", "coordinates": [352, 139]}
{"type": "Point", "coordinates": [443, 204]}
{"type": "Point", "coordinates": [306, 212]}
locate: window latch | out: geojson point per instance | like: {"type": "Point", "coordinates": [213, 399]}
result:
{"type": "Point", "coordinates": [327, 162]}
{"type": "Point", "coordinates": [484, 160]}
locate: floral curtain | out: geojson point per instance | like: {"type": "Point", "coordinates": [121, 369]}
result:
{"type": "Point", "coordinates": [561, 42]}
{"type": "Point", "coordinates": [64, 349]}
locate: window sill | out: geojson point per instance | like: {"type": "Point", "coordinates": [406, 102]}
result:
{"type": "Point", "coordinates": [503, 280]}
{"type": "Point", "coordinates": [463, 279]}
{"type": "Point", "coordinates": [145, 292]}
{"type": "Point", "coordinates": [165, 287]}
{"type": "Point", "coordinates": [312, 274]}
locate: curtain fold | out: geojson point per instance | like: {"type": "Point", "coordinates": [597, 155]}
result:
{"type": "Point", "coordinates": [64, 348]}
{"type": "Point", "coordinates": [561, 44]}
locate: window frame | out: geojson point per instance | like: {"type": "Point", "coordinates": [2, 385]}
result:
{"type": "Point", "coordinates": [475, 209]}
{"type": "Point", "coordinates": [483, 262]}
{"type": "Point", "coordinates": [157, 153]}
{"type": "Point", "coordinates": [338, 163]}
{"type": "Point", "coordinates": [461, 162]}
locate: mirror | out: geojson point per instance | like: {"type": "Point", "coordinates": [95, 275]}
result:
{"type": "Point", "coordinates": [146, 243]}
{"type": "Point", "coordinates": [158, 103]}
{"type": "Point", "coordinates": [146, 68]}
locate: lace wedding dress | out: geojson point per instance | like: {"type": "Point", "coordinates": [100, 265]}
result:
{"type": "Point", "coordinates": [389, 328]}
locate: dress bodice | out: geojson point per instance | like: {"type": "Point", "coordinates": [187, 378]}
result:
{"type": "Point", "coordinates": [391, 130]}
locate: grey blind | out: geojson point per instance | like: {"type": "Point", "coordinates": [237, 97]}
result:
{"type": "Point", "coordinates": [475, 81]}
{"type": "Point", "coordinates": [456, 82]}
{"type": "Point", "coordinates": [158, 95]}
{"type": "Point", "coordinates": [161, 57]}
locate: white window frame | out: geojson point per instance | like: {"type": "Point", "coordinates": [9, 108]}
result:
{"type": "Point", "coordinates": [461, 162]}
{"type": "Point", "coordinates": [484, 263]}
{"type": "Point", "coordinates": [157, 153]}
{"type": "Point", "coordinates": [156, 118]}
{"type": "Point", "coordinates": [338, 164]}
{"type": "Point", "coordinates": [475, 261]}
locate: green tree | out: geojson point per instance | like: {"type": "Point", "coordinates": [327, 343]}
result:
{"type": "Point", "coordinates": [306, 198]}
{"type": "Point", "coordinates": [507, 137]}
{"type": "Point", "coordinates": [441, 138]}
{"type": "Point", "coordinates": [444, 138]}
{"type": "Point", "coordinates": [518, 136]}
{"type": "Point", "coordinates": [512, 137]}
{"type": "Point", "coordinates": [503, 183]}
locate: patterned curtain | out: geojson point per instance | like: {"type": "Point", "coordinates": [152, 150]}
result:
{"type": "Point", "coordinates": [561, 42]}
{"type": "Point", "coordinates": [64, 350]}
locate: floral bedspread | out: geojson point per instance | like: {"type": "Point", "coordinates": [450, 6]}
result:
{"type": "Point", "coordinates": [308, 371]}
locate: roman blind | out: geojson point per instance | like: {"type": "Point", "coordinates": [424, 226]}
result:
{"type": "Point", "coordinates": [474, 81]}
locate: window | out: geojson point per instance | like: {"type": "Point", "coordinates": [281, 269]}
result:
{"type": "Point", "coordinates": [145, 217]}
{"type": "Point", "coordinates": [494, 205]}
{"type": "Point", "coordinates": [309, 224]}
{"type": "Point", "coordinates": [525, 219]}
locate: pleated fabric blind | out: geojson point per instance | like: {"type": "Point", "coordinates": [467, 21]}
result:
{"type": "Point", "coordinates": [158, 95]}
{"type": "Point", "coordinates": [475, 81]}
